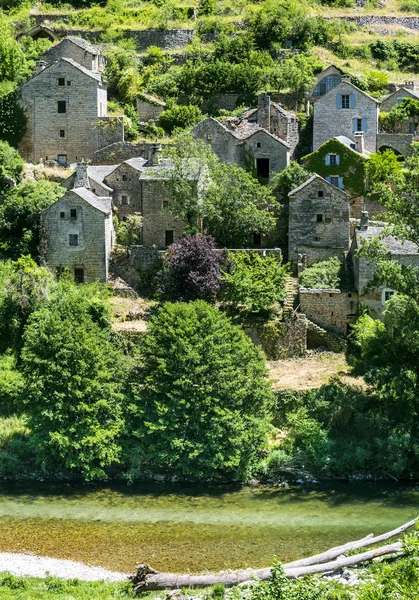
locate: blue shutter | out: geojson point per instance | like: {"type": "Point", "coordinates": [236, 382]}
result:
{"type": "Point", "coordinates": [338, 101]}
{"type": "Point", "coordinates": [354, 125]}
{"type": "Point", "coordinates": [327, 179]}
{"type": "Point", "coordinates": [337, 159]}
{"type": "Point", "coordinates": [352, 101]}
{"type": "Point", "coordinates": [341, 183]}
{"type": "Point", "coordinates": [327, 159]}
{"type": "Point", "coordinates": [364, 125]}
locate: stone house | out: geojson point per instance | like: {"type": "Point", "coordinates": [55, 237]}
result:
{"type": "Point", "coordinates": [343, 111]}
{"type": "Point", "coordinates": [83, 53]}
{"type": "Point", "coordinates": [333, 309]}
{"type": "Point", "coordinates": [405, 253]}
{"type": "Point", "coordinates": [247, 145]}
{"type": "Point", "coordinates": [149, 108]}
{"type": "Point", "coordinates": [66, 107]}
{"type": "Point", "coordinates": [319, 226]}
{"type": "Point", "coordinates": [342, 162]}
{"type": "Point", "coordinates": [78, 234]}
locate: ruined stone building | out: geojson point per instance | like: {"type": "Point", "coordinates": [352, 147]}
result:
{"type": "Point", "coordinates": [318, 221]}
{"type": "Point", "coordinates": [66, 106]}
{"type": "Point", "coordinates": [78, 234]}
{"type": "Point", "coordinates": [343, 111]}
{"type": "Point", "coordinates": [149, 108]}
{"type": "Point", "coordinates": [404, 253]}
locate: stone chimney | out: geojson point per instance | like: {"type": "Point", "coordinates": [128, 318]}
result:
{"type": "Point", "coordinates": [264, 111]}
{"type": "Point", "coordinates": [359, 142]}
{"type": "Point", "coordinates": [409, 85]}
{"type": "Point", "coordinates": [154, 154]}
{"type": "Point", "coordinates": [40, 66]}
{"type": "Point", "coordinates": [81, 180]}
{"type": "Point", "coordinates": [363, 225]}
{"type": "Point", "coordinates": [346, 78]}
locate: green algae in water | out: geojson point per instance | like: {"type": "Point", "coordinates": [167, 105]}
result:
{"type": "Point", "coordinates": [193, 529]}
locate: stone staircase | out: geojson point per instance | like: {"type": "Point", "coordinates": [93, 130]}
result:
{"type": "Point", "coordinates": [291, 298]}
{"type": "Point", "coordinates": [319, 336]}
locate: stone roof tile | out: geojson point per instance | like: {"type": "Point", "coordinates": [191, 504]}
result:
{"type": "Point", "coordinates": [394, 245]}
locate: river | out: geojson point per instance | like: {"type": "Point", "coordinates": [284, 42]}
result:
{"type": "Point", "coordinates": [180, 529]}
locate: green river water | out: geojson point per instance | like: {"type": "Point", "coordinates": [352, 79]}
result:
{"type": "Point", "coordinates": [179, 528]}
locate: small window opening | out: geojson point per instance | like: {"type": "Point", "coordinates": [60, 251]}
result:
{"type": "Point", "coordinates": [320, 194]}
{"type": "Point", "coordinates": [62, 215]}
{"type": "Point", "coordinates": [68, 82]}
{"type": "Point", "coordinates": [124, 177]}
{"type": "Point", "coordinates": [169, 237]}
{"type": "Point", "coordinates": [262, 167]}
{"type": "Point", "coordinates": [73, 239]}
{"type": "Point", "coordinates": [73, 213]}
{"type": "Point", "coordinates": [258, 144]}
{"type": "Point", "coordinates": [165, 203]}
{"type": "Point", "coordinates": [332, 159]}
{"type": "Point", "coordinates": [319, 218]}
{"type": "Point", "coordinates": [61, 106]}
{"type": "Point", "coordinates": [124, 199]}
{"type": "Point", "coordinates": [334, 181]}
{"type": "Point", "coordinates": [61, 81]}
{"type": "Point", "coordinates": [345, 101]}
{"type": "Point", "coordinates": [79, 275]}
{"type": "Point", "coordinates": [62, 133]}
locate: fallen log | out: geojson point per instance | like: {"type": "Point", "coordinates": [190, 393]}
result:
{"type": "Point", "coordinates": [146, 578]}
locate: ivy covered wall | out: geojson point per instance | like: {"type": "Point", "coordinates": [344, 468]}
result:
{"type": "Point", "coordinates": [351, 165]}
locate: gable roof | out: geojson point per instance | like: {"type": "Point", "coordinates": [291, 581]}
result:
{"type": "Point", "coordinates": [394, 245]}
{"type": "Point", "coordinates": [72, 62]}
{"type": "Point", "coordinates": [357, 89]}
{"type": "Point", "coordinates": [103, 204]}
{"type": "Point", "coordinates": [411, 92]}
{"type": "Point", "coordinates": [82, 44]}
{"type": "Point", "coordinates": [313, 178]}
{"type": "Point", "coordinates": [350, 145]}
{"type": "Point", "coordinates": [136, 163]}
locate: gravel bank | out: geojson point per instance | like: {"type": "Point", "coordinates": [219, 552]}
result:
{"type": "Point", "coordinates": [40, 566]}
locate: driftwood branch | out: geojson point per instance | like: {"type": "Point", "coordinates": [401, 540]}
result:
{"type": "Point", "coordinates": [334, 559]}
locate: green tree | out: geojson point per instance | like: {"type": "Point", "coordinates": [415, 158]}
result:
{"type": "Point", "coordinates": [289, 179]}
{"type": "Point", "coordinates": [11, 167]}
{"type": "Point", "coordinates": [20, 229]}
{"type": "Point", "coordinates": [253, 282]}
{"type": "Point", "coordinates": [12, 119]}
{"type": "Point", "coordinates": [324, 274]}
{"type": "Point", "coordinates": [201, 396]}
{"type": "Point", "coordinates": [73, 383]}
{"type": "Point", "coordinates": [122, 74]}
{"type": "Point", "coordinates": [128, 231]}
{"type": "Point", "coordinates": [180, 117]}
{"type": "Point", "coordinates": [383, 167]}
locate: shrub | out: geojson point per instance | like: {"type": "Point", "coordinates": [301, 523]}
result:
{"type": "Point", "coordinates": [201, 396]}
{"type": "Point", "coordinates": [192, 269]}
{"type": "Point", "coordinates": [183, 117]}
{"type": "Point", "coordinates": [253, 282]}
{"type": "Point", "coordinates": [11, 384]}
{"type": "Point", "coordinates": [12, 119]}
{"type": "Point", "coordinates": [11, 166]}
{"type": "Point", "coordinates": [324, 274]}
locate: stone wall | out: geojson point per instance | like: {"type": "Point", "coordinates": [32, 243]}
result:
{"type": "Point", "coordinates": [78, 132]}
{"type": "Point", "coordinates": [331, 121]}
{"type": "Point", "coordinates": [94, 229]}
{"type": "Point", "coordinates": [156, 219]}
{"type": "Point", "coordinates": [329, 308]}
{"type": "Point", "coordinates": [398, 141]}
{"type": "Point", "coordinates": [318, 337]}
{"type": "Point", "coordinates": [281, 339]}
{"type": "Point", "coordinates": [147, 111]}
{"type": "Point", "coordinates": [318, 222]}
{"type": "Point", "coordinates": [68, 49]}
{"type": "Point", "coordinates": [124, 180]}
{"type": "Point", "coordinates": [119, 151]}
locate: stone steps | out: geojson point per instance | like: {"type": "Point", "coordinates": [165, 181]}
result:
{"type": "Point", "coordinates": [291, 291]}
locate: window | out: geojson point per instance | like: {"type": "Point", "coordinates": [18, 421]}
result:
{"type": "Point", "coordinates": [124, 177]}
{"type": "Point", "coordinates": [61, 81]}
{"type": "Point", "coordinates": [209, 137]}
{"type": "Point", "coordinates": [62, 160]}
{"type": "Point", "coordinates": [262, 167]}
{"type": "Point", "coordinates": [327, 220]}
{"type": "Point", "coordinates": [165, 203]}
{"type": "Point", "coordinates": [68, 82]}
{"type": "Point", "coordinates": [79, 275]}
{"type": "Point", "coordinates": [258, 144]}
{"type": "Point", "coordinates": [124, 199]}
{"type": "Point", "coordinates": [61, 106]}
{"type": "Point", "coordinates": [326, 84]}
{"type": "Point", "coordinates": [319, 218]}
{"type": "Point", "coordinates": [333, 159]}
{"type": "Point", "coordinates": [412, 128]}
{"type": "Point", "coordinates": [62, 133]}
{"type": "Point", "coordinates": [317, 239]}
{"type": "Point", "coordinates": [400, 100]}
{"type": "Point", "coordinates": [257, 239]}
{"type": "Point", "coordinates": [320, 194]}
{"type": "Point", "coordinates": [359, 124]}
{"type": "Point", "coordinates": [345, 101]}
{"type": "Point", "coordinates": [168, 237]}
{"type": "Point", "coordinates": [73, 239]}
{"type": "Point", "coordinates": [73, 213]}
{"type": "Point", "coordinates": [386, 295]}
{"type": "Point", "coordinates": [334, 181]}
{"type": "Point", "coordinates": [62, 215]}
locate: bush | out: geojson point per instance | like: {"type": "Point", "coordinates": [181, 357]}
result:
{"type": "Point", "coordinates": [12, 119]}
{"type": "Point", "coordinates": [324, 274]}
{"type": "Point", "coordinates": [11, 167]}
{"type": "Point", "coordinates": [192, 269]}
{"type": "Point", "coordinates": [201, 396]}
{"type": "Point", "coordinates": [11, 384]}
{"type": "Point", "coordinates": [183, 117]}
{"type": "Point", "coordinates": [254, 282]}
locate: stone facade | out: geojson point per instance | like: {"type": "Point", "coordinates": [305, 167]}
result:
{"type": "Point", "coordinates": [255, 148]}
{"type": "Point", "coordinates": [318, 221]}
{"type": "Point", "coordinates": [66, 106]}
{"type": "Point", "coordinates": [399, 142]}
{"type": "Point", "coordinates": [79, 235]}
{"type": "Point", "coordinates": [329, 308]}
{"type": "Point", "coordinates": [405, 253]}
{"type": "Point", "coordinates": [77, 49]}
{"type": "Point", "coordinates": [328, 79]}
{"type": "Point", "coordinates": [343, 111]}
{"type": "Point", "coordinates": [117, 152]}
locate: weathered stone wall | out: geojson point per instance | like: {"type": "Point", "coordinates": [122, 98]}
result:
{"type": "Point", "coordinates": [68, 49]}
{"type": "Point", "coordinates": [398, 141]}
{"type": "Point", "coordinates": [330, 121]}
{"type": "Point", "coordinates": [388, 103]}
{"type": "Point", "coordinates": [227, 101]}
{"type": "Point", "coordinates": [318, 239]}
{"type": "Point", "coordinates": [94, 229]}
{"type": "Point", "coordinates": [156, 219]}
{"type": "Point", "coordinates": [281, 339]}
{"type": "Point", "coordinates": [223, 142]}
{"type": "Point", "coordinates": [147, 111]}
{"type": "Point", "coordinates": [119, 151]}
{"type": "Point", "coordinates": [83, 131]}
{"type": "Point", "coordinates": [263, 145]}
{"type": "Point", "coordinates": [318, 337]}
{"type": "Point", "coordinates": [124, 180]}
{"type": "Point", "coordinates": [330, 308]}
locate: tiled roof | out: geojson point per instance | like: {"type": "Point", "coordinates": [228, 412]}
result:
{"type": "Point", "coordinates": [136, 163]}
{"type": "Point", "coordinates": [83, 44]}
{"type": "Point", "coordinates": [91, 74]}
{"type": "Point", "coordinates": [393, 244]}
{"type": "Point", "coordinates": [312, 178]}
{"type": "Point", "coordinates": [98, 202]}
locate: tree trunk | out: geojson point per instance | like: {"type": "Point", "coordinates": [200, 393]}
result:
{"type": "Point", "coordinates": [147, 578]}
